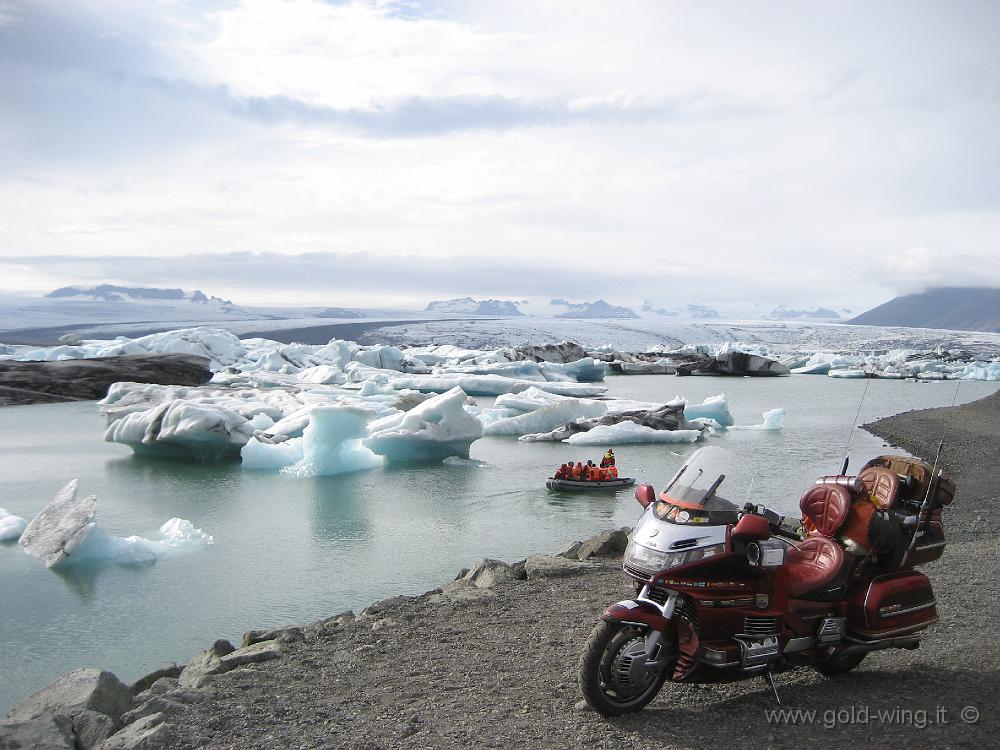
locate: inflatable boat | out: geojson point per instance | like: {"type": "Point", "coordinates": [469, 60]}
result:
{"type": "Point", "coordinates": [579, 485]}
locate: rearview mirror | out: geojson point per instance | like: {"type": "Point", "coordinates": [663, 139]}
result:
{"type": "Point", "coordinates": [645, 494]}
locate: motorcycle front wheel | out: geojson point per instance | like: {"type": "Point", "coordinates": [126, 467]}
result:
{"type": "Point", "coordinates": [613, 674]}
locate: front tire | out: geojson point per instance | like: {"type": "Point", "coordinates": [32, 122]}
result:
{"type": "Point", "coordinates": [838, 664]}
{"type": "Point", "coordinates": [613, 676]}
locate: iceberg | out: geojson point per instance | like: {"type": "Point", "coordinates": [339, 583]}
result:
{"type": "Point", "coordinates": [547, 417]}
{"type": "Point", "coordinates": [66, 531]}
{"type": "Point", "coordinates": [630, 432]}
{"type": "Point", "coordinates": [332, 443]}
{"type": "Point", "coordinates": [772, 421]}
{"type": "Point", "coordinates": [492, 385]}
{"type": "Point", "coordinates": [437, 428]}
{"type": "Point", "coordinates": [11, 526]}
{"type": "Point", "coordinates": [713, 407]}
{"type": "Point", "coordinates": [201, 428]}
{"type": "Point", "coordinates": [981, 371]}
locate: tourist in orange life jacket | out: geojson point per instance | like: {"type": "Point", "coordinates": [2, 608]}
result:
{"type": "Point", "coordinates": [562, 472]}
{"type": "Point", "coordinates": [613, 471]}
{"type": "Point", "coordinates": [609, 459]}
{"type": "Point", "coordinates": [593, 473]}
{"type": "Point", "coordinates": [577, 471]}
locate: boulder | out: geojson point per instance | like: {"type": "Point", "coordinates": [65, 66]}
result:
{"type": "Point", "coordinates": [263, 651]}
{"type": "Point", "coordinates": [605, 544]}
{"type": "Point", "coordinates": [91, 729]}
{"type": "Point", "coordinates": [82, 689]}
{"type": "Point", "coordinates": [550, 566]}
{"type": "Point", "coordinates": [283, 634]}
{"type": "Point", "coordinates": [161, 704]}
{"type": "Point", "coordinates": [164, 685]}
{"type": "Point", "coordinates": [148, 733]}
{"type": "Point", "coordinates": [48, 732]}
{"type": "Point", "coordinates": [570, 550]}
{"type": "Point", "coordinates": [487, 573]}
{"type": "Point", "coordinates": [144, 683]}
{"type": "Point", "coordinates": [205, 664]}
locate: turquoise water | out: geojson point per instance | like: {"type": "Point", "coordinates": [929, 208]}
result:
{"type": "Point", "coordinates": [293, 550]}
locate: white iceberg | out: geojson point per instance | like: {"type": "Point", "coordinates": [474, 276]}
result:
{"type": "Point", "coordinates": [491, 385]}
{"type": "Point", "coordinates": [713, 407]}
{"type": "Point", "coordinates": [201, 428]}
{"type": "Point", "coordinates": [66, 531]}
{"type": "Point", "coordinates": [547, 417]}
{"type": "Point", "coordinates": [630, 432]}
{"type": "Point", "coordinates": [11, 526]}
{"type": "Point", "coordinates": [772, 421]}
{"type": "Point", "coordinates": [437, 428]}
{"type": "Point", "coordinates": [332, 443]}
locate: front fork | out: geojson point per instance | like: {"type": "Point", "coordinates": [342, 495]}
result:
{"type": "Point", "coordinates": [654, 618]}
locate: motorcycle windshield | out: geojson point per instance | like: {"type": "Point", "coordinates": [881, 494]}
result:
{"type": "Point", "coordinates": [699, 491]}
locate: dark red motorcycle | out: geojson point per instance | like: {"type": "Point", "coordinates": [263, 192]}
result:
{"type": "Point", "coordinates": [725, 592]}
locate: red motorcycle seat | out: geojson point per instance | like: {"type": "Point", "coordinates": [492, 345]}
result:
{"type": "Point", "coordinates": [882, 485]}
{"type": "Point", "coordinates": [812, 564]}
{"type": "Point", "coordinates": [825, 506]}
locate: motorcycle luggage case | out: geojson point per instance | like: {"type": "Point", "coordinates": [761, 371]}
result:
{"type": "Point", "coordinates": [891, 604]}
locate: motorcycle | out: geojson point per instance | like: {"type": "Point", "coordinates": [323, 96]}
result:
{"type": "Point", "coordinates": [726, 592]}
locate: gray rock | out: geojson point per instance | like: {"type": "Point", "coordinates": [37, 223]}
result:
{"type": "Point", "coordinates": [158, 705]}
{"type": "Point", "coordinates": [164, 685]}
{"type": "Point", "coordinates": [284, 634]}
{"type": "Point", "coordinates": [81, 689]}
{"type": "Point", "coordinates": [550, 566]}
{"type": "Point", "coordinates": [605, 544]}
{"type": "Point", "coordinates": [91, 729]}
{"type": "Point", "coordinates": [60, 527]}
{"type": "Point", "coordinates": [144, 683]}
{"type": "Point", "coordinates": [189, 695]}
{"type": "Point", "coordinates": [517, 570]}
{"type": "Point", "coordinates": [81, 379]}
{"type": "Point", "coordinates": [203, 665]}
{"type": "Point", "coordinates": [379, 607]}
{"type": "Point", "coordinates": [148, 733]}
{"type": "Point", "coordinates": [487, 573]}
{"type": "Point", "coordinates": [263, 651]}
{"type": "Point", "coordinates": [41, 733]}
{"type": "Point", "coordinates": [570, 550]}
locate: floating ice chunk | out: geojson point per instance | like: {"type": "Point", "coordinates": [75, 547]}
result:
{"type": "Point", "coordinates": [257, 454]}
{"type": "Point", "coordinates": [322, 375]}
{"type": "Point", "coordinates": [713, 407]}
{"type": "Point", "coordinates": [201, 428]}
{"type": "Point", "coordinates": [331, 444]}
{"type": "Point", "coordinates": [772, 421]}
{"type": "Point", "coordinates": [527, 400]}
{"type": "Point", "coordinates": [491, 385]}
{"type": "Point", "coordinates": [462, 462]}
{"type": "Point", "coordinates": [981, 371]}
{"type": "Point", "coordinates": [547, 417]}
{"type": "Point", "coordinates": [435, 429]}
{"type": "Point", "coordinates": [630, 432]}
{"type": "Point", "coordinates": [179, 534]}
{"type": "Point", "coordinates": [585, 370]}
{"type": "Point", "coordinates": [65, 532]}
{"type": "Point", "coordinates": [11, 526]}
{"type": "Point", "coordinates": [60, 527]}
{"type": "Point", "coordinates": [851, 374]}
{"type": "Point", "coordinates": [382, 357]}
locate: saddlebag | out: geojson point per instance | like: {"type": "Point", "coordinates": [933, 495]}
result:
{"type": "Point", "coordinates": [891, 604]}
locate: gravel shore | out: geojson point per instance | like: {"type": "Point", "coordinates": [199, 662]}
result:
{"type": "Point", "coordinates": [468, 667]}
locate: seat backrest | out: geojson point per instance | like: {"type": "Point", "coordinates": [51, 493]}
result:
{"type": "Point", "coordinates": [825, 506]}
{"type": "Point", "coordinates": [882, 485]}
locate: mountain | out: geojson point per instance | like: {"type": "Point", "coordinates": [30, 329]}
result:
{"type": "Point", "coordinates": [469, 306]}
{"type": "Point", "coordinates": [951, 307]}
{"type": "Point", "coordinates": [113, 293]}
{"type": "Point", "coordinates": [598, 309]}
{"type": "Point", "coordinates": [783, 313]}
{"type": "Point", "coordinates": [702, 312]}
{"type": "Point", "coordinates": [649, 307]}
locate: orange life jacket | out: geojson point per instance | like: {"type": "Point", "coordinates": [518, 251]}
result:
{"type": "Point", "coordinates": [576, 471]}
{"type": "Point", "coordinates": [613, 471]}
{"type": "Point", "coordinates": [594, 474]}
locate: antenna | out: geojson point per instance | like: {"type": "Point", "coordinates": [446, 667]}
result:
{"type": "Point", "coordinates": [850, 435]}
{"type": "Point", "coordinates": [925, 506]}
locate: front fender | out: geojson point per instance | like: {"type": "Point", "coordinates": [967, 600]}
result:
{"type": "Point", "coordinates": [639, 612]}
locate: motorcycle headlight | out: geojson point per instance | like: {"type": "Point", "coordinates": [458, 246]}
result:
{"type": "Point", "coordinates": [653, 561]}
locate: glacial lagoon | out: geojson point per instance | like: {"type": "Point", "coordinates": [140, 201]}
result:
{"type": "Point", "coordinates": [291, 550]}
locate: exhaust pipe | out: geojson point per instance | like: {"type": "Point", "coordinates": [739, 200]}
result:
{"type": "Point", "coordinates": [905, 641]}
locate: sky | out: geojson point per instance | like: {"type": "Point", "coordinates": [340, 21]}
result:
{"type": "Point", "coordinates": [391, 153]}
